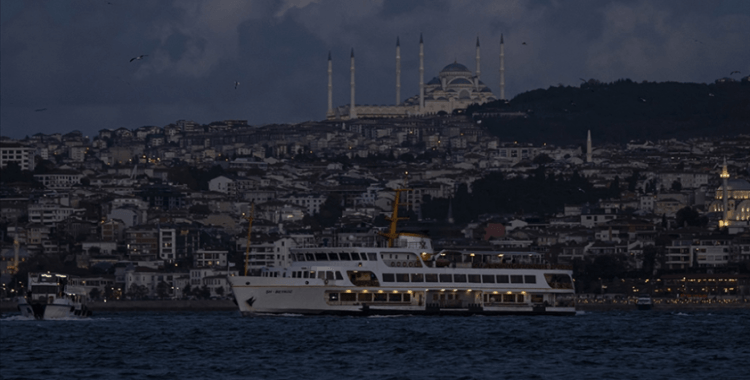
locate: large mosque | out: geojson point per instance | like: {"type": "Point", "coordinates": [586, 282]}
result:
{"type": "Point", "coordinates": [455, 87]}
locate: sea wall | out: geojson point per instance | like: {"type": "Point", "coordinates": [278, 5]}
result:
{"type": "Point", "coordinates": [7, 306]}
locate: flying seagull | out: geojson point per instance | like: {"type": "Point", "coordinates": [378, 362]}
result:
{"type": "Point", "coordinates": [710, 94]}
{"type": "Point", "coordinates": [734, 72]}
{"type": "Point", "coordinates": [524, 43]}
{"type": "Point", "coordinates": [236, 84]}
{"type": "Point", "coordinates": [138, 57]}
{"type": "Point", "coordinates": [641, 99]}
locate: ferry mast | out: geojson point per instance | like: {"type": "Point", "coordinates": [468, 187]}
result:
{"type": "Point", "coordinates": [249, 219]}
{"type": "Point", "coordinates": [392, 234]}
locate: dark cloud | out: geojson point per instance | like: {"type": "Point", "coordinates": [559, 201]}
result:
{"type": "Point", "coordinates": [72, 57]}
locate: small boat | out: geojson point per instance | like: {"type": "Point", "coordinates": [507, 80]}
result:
{"type": "Point", "coordinates": [644, 302]}
{"type": "Point", "coordinates": [49, 296]}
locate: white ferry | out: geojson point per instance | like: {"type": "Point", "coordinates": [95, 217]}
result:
{"type": "Point", "coordinates": [50, 296]}
{"type": "Point", "coordinates": [407, 277]}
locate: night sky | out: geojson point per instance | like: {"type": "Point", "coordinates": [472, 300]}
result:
{"type": "Point", "coordinates": [65, 65]}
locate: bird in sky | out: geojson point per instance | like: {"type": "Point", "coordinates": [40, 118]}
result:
{"type": "Point", "coordinates": [710, 94]}
{"type": "Point", "coordinates": [582, 79]}
{"type": "Point", "coordinates": [734, 72]}
{"type": "Point", "coordinates": [524, 43]}
{"type": "Point", "coordinates": [236, 84]}
{"type": "Point", "coordinates": [643, 100]}
{"type": "Point", "coordinates": [138, 57]}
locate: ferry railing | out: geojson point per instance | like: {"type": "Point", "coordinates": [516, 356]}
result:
{"type": "Point", "coordinates": [512, 266]}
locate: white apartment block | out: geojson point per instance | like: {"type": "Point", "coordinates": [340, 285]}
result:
{"type": "Point", "coordinates": [22, 155]}
{"type": "Point", "coordinates": [59, 180]}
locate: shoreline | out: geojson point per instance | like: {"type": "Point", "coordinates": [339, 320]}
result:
{"type": "Point", "coordinates": [228, 305]}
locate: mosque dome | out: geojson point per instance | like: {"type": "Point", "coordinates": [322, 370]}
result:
{"type": "Point", "coordinates": [461, 81]}
{"type": "Point", "coordinates": [455, 67]}
{"type": "Point", "coordinates": [434, 80]}
{"type": "Point", "coordinates": [736, 185]}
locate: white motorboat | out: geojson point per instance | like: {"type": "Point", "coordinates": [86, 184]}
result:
{"type": "Point", "coordinates": [49, 296]}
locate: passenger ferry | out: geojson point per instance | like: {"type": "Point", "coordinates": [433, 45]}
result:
{"type": "Point", "coordinates": [407, 277]}
{"type": "Point", "coordinates": [50, 296]}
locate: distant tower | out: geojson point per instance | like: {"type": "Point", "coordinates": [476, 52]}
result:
{"type": "Point", "coordinates": [502, 68]}
{"type": "Point", "coordinates": [421, 74]}
{"type": "Point", "coordinates": [725, 179]}
{"type": "Point", "coordinates": [477, 83]}
{"type": "Point", "coordinates": [589, 155]}
{"type": "Point", "coordinates": [398, 72]}
{"type": "Point", "coordinates": [330, 86]}
{"type": "Point", "coordinates": [352, 106]}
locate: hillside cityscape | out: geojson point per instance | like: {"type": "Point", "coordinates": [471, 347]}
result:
{"type": "Point", "coordinates": [164, 211]}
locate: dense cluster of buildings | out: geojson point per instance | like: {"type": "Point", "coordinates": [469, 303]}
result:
{"type": "Point", "coordinates": [118, 205]}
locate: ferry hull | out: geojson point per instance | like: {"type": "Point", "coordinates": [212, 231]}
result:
{"type": "Point", "coordinates": [57, 310]}
{"type": "Point", "coordinates": [271, 299]}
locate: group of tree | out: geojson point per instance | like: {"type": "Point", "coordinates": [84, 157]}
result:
{"type": "Point", "coordinates": [621, 111]}
{"type": "Point", "coordinates": [539, 193]}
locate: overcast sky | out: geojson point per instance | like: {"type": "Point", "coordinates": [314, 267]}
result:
{"type": "Point", "coordinates": [65, 65]}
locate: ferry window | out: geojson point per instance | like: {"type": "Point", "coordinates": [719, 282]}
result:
{"type": "Point", "coordinates": [417, 277]}
{"type": "Point", "coordinates": [431, 277]}
{"type": "Point", "coordinates": [537, 298]}
{"type": "Point", "coordinates": [339, 276]}
{"type": "Point", "coordinates": [519, 298]}
{"type": "Point", "coordinates": [312, 274]}
{"type": "Point", "coordinates": [321, 256]}
{"type": "Point", "coordinates": [488, 279]}
{"type": "Point", "coordinates": [529, 279]}
{"type": "Point", "coordinates": [305, 274]}
{"type": "Point", "coordinates": [502, 278]}
{"type": "Point", "coordinates": [407, 297]}
{"type": "Point", "coordinates": [333, 296]}
{"type": "Point", "coordinates": [348, 297]}
{"type": "Point", "coordinates": [475, 278]}
{"type": "Point", "coordinates": [356, 256]}
{"type": "Point", "coordinates": [394, 297]}
{"type": "Point", "coordinates": [333, 256]}
{"type": "Point", "coordinates": [388, 277]}
{"type": "Point", "coordinates": [345, 256]}
{"type": "Point", "coordinates": [310, 257]}
{"type": "Point", "coordinates": [402, 277]}
{"type": "Point", "coordinates": [372, 256]}
{"type": "Point", "coordinates": [446, 277]}
{"type": "Point", "coordinates": [509, 298]}
{"type": "Point", "coordinates": [321, 275]}
{"type": "Point", "coordinates": [381, 297]}
{"type": "Point", "coordinates": [516, 279]}
{"type": "Point", "coordinates": [329, 275]}
{"type": "Point", "coordinates": [300, 257]}
{"type": "Point", "coordinates": [459, 278]}
{"type": "Point", "coordinates": [364, 297]}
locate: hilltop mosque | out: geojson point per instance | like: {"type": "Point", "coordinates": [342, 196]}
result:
{"type": "Point", "coordinates": [455, 87]}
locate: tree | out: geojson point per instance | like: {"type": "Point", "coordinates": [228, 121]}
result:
{"type": "Point", "coordinates": [94, 293]}
{"type": "Point", "coordinates": [676, 185]}
{"type": "Point", "coordinates": [162, 290]}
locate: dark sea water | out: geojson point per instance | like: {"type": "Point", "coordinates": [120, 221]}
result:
{"type": "Point", "coordinates": [223, 345]}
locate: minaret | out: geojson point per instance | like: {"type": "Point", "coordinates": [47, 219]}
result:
{"type": "Point", "coordinates": [352, 106]}
{"type": "Point", "coordinates": [398, 72]}
{"type": "Point", "coordinates": [421, 74]}
{"type": "Point", "coordinates": [330, 86]}
{"type": "Point", "coordinates": [589, 153]}
{"type": "Point", "coordinates": [477, 83]}
{"type": "Point", "coordinates": [502, 68]}
{"type": "Point", "coordinates": [725, 179]}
